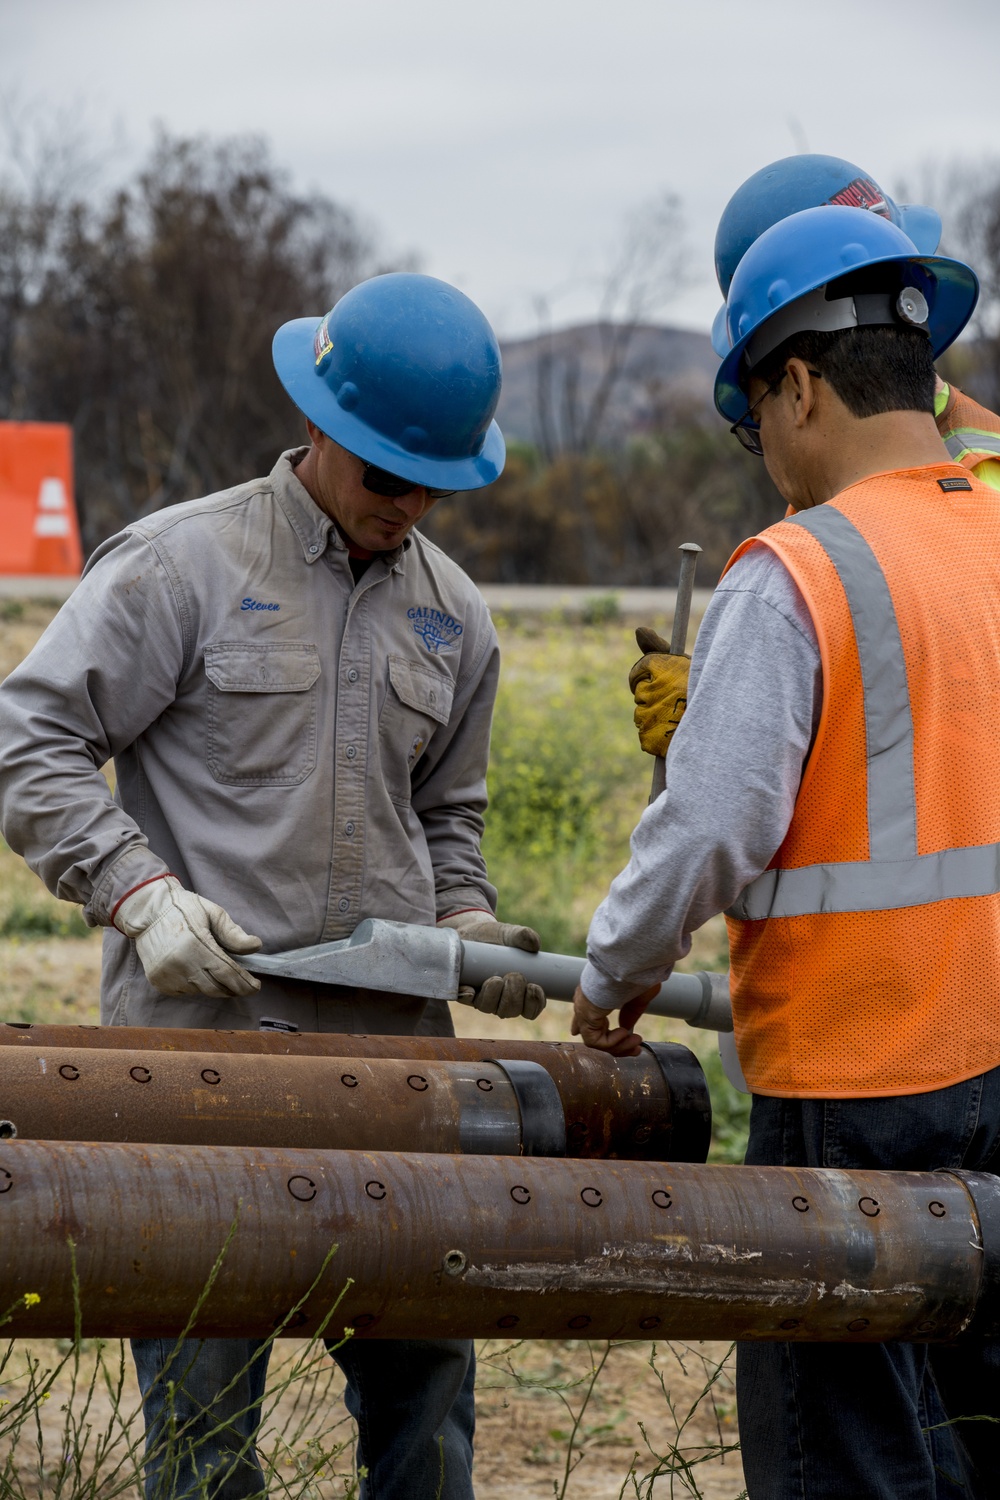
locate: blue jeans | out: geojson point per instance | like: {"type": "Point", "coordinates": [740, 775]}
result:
{"type": "Point", "coordinates": [413, 1401]}
{"type": "Point", "coordinates": [841, 1422]}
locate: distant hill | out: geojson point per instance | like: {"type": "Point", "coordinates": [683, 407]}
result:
{"type": "Point", "coordinates": [550, 381]}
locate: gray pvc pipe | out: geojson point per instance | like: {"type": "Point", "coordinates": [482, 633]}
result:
{"type": "Point", "coordinates": [700, 999]}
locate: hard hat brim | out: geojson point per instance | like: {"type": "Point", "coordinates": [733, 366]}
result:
{"type": "Point", "coordinates": [720, 333]}
{"type": "Point", "coordinates": [920, 224]}
{"type": "Point", "coordinates": [294, 361]}
{"type": "Point", "coordinates": [956, 293]}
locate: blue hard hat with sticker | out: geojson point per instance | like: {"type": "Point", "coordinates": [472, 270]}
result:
{"type": "Point", "coordinates": [808, 251]}
{"type": "Point", "coordinates": [805, 181]}
{"type": "Point", "coordinates": [405, 373]}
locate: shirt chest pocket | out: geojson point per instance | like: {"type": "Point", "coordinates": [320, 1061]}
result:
{"type": "Point", "coordinates": [262, 712]}
{"type": "Point", "coordinates": [419, 698]}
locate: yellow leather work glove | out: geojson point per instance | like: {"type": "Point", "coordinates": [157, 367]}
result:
{"type": "Point", "coordinates": [659, 683]}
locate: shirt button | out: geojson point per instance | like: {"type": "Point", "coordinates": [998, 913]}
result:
{"type": "Point", "coordinates": [344, 904]}
{"type": "Point", "coordinates": [350, 752]}
{"type": "Point", "coordinates": [314, 548]}
{"type": "Point", "coordinates": [349, 829]}
{"type": "Point", "coordinates": [353, 675]}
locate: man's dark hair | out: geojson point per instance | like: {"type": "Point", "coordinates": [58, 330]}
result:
{"type": "Point", "coordinates": [875, 368]}
{"type": "Point", "coordinates": [872, 369]}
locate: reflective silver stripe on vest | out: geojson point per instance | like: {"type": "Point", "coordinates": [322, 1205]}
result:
{"type": "Point", "coordinates": [867, 886]}
{"type": "Point", "coordinates": [892, 800]}
{"type": "Point", "coordinates": [895, 876]}
{"type": "Point", "coordinates": [968, 440]}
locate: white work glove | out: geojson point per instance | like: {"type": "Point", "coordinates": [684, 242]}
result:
{"type": "Point", "coordinates": [180, 939]}
{"type": "Point", "coordinates": [503, 995]}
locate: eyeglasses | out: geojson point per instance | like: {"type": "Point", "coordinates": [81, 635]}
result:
{"type": "Point", "coordinates": [381, 482]}
{"type": "Point", "coordinates": [747, 430]}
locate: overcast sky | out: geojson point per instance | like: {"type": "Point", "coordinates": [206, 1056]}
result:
{"type": "Point", "coordinates": [506, 142]}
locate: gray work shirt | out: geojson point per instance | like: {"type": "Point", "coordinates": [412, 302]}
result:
{"type": "Point", "coordinates": [733, 773]}
{"type": "Point", "coordinates": [302, 750]}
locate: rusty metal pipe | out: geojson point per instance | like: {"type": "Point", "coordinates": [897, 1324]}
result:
{"type": "Point", "coordinates": [650, 1108]}
{"type": "Point", "coordinates": [354, 1103]}
{"type": "Point", "coordinates": [454, 1247]}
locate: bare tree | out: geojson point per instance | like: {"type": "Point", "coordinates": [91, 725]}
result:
{"type": "Point", "coordinates": [976, 236]}
{"type": "Point", "coordinates": [967, 195]}
{"type": "Point", "coordinates": [145, 319]}
{"type": "Point", "coordinates": [578, 371]}
{"type": "Point", "coordinates": [44, 161]}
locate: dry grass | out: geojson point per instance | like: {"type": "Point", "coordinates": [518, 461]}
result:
{"type": "Point", "coordinates": [545, 1426]}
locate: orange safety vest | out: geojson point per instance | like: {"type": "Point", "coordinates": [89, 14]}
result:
{"type": "Point", "coordinates": [866, 959]}
{"type": "Point", "coordinates": [971, 432]}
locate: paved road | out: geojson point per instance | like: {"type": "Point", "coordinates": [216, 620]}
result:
{"type": "Point", "coordinates": [24, 586]}
{"type": "Point", "coordinates": [530, 598]}
{"type": "Point", "coordinates": [507, 598]}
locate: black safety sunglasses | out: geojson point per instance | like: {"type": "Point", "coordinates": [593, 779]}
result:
{"type": "Point", "coordinates": [381, 482]}
{"type": "Point", "coordinates": [747, 429]}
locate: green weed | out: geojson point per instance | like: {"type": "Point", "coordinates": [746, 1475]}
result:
{"type": "Point", "coordinates": [730, 1110]}
{"type": "Point", "coordinates": [602, 609]}
{"type": "Point", "coordinates": [36, 917]}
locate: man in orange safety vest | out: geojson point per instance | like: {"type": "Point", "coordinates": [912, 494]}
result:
{"type": "Point", "coordinates": [833, 787]}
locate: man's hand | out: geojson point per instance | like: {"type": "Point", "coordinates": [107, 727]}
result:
{"type": "Point", "coordinates": [181, 940]}
{"type": "Point", "coordinates": [503, 995]}
{"type": "Point", "coordinates": [659, 683]}
{"type": "Point", "coordinates": [591, 1023]}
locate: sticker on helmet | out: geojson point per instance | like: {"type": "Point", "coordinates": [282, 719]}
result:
{"type": "Point", "coordinates": [321, 341]}
{"type": "Point", "coordinates": [438, 631]}
{"type": "Point", "coordinates": [862, 193]}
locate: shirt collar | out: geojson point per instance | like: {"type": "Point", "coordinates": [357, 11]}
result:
{"type": "Point", "coordinates": [314, 529]}
{"type": "Point", "coordinates": [309, 523]}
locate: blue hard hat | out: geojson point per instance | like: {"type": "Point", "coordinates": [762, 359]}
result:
{"type": "Point", "coordinates": [769, 296]}
{"type": "Point", "coordinates": [809, 181]}
{"type": "Point", "coordinates": [405, 373]}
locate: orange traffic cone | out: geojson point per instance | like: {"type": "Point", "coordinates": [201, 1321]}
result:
{"type": "Point", "coordinates": [56, 543]}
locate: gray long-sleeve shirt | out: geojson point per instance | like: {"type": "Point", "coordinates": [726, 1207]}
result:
{"type": "Point", "coordinates": [733, 773]}
{"type": "Point", "coordinates": [304, 750]}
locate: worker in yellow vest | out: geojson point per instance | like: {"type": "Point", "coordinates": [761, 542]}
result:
{"type": "Point", "coordinates": [971, 433]}
{"type": "Point", "coordinates": [833, 787]}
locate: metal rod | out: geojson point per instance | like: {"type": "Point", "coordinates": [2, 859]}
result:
{"type": "Point", "coordinates": [472, 1247]}
{"type": "Point", "coordinates": [690, 552]}
{"type": "Point", "coordinates": [652, 1107]}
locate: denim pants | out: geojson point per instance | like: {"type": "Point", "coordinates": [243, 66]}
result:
{"type": "Point", "coordinates": [842, 1422]}
{"type": "Point", "coordinates": [413, 1401]}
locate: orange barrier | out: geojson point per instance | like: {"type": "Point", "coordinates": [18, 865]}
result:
{"type": "Point", "coordinates": [39, 533]}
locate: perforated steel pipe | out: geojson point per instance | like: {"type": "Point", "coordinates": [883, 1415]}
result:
{"type": "Point", "coordinates": [353, 1103]}
{"type": "Point", "coordinates": [479, 1246]}
{"type": "Point", "coordinates": [649, 1108]}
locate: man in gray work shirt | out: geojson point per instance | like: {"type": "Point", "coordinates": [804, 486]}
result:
{"type": "Point", "coordinates": [296, 690]}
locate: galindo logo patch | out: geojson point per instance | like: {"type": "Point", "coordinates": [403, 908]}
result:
{"type": "Point", "coordinates": [438, 630]}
